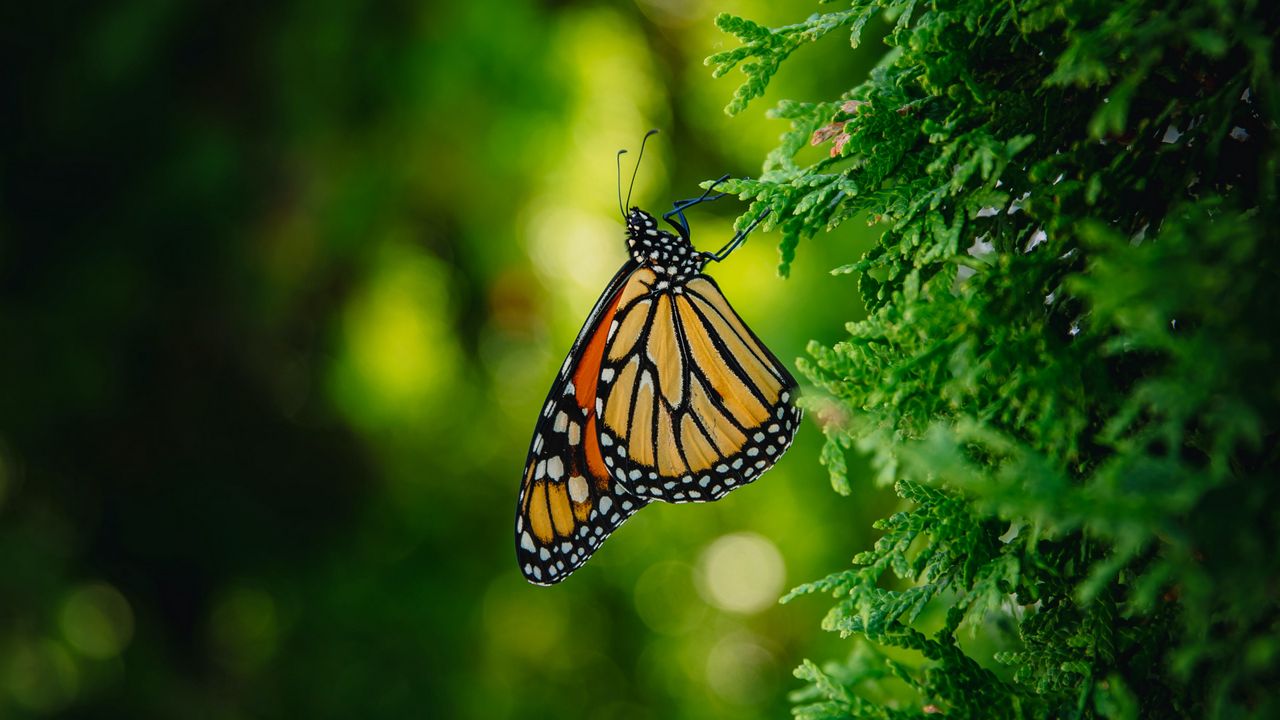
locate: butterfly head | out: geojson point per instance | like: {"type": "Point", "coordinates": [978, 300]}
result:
{"type": "Point", "coordinates": [663, 252]}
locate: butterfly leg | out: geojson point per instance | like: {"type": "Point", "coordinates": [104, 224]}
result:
{"type": "Point", "coordinates": [681, 223]}
{"type": "Point", "coordinates": [737, 240]}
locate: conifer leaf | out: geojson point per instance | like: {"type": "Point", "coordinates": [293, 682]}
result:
{"type": "Point", "coordinates": [1067, 368]}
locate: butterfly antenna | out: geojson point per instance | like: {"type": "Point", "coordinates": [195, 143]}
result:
{"type": "Point", "coordinates": [621, 208]}
{"type": "Point", "coordinates": [640, 157]}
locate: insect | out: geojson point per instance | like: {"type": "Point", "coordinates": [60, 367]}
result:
{"type": "Point", "coordinates": [666, 395]}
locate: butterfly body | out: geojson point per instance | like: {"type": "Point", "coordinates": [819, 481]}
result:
{"type": "Point", "coordinates": [665, 395]}
{"type": "Point", "coordinates": [672, 257]}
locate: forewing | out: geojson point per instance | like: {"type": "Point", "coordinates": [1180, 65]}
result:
{"type": "Point", "coordinates": [568, 501]}
{"type": "Point", "coordinates": [693, 404]}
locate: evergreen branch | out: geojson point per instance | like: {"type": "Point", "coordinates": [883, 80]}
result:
{"type": "Point", "coordinates": [1067, 370]}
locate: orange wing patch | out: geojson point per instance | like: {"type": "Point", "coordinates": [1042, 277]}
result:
{"type": "Point", "coordinates": [540, 513]}
{"type": "Point", "coordinates": [586, 377]}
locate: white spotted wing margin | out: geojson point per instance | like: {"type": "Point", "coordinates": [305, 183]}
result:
{"type": "Point", "coordinates": [568, 505]}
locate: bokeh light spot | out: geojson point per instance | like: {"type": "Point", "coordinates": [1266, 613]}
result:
{"type": "Point", "coordinates": [96, 621]}
{"type": "Point", "coordinates": [243, 629]}
{"type": "Point", "coordinates": [741, 670]}
{"type": "Point", "coordinates": [742, 573]}
{"type": "Point", "coordinates": [568, 244]}
{"type": "Point", "coordinates": [666, 599]}
{"type": "Point", "coordinates": [398, 350]}
{"type": "Point", "coordinates": [41, 676]}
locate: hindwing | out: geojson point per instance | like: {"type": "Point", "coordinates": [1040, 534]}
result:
{"type": "Point", "coordinates": [693, 404]}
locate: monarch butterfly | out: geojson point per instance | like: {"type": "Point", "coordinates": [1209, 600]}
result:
{"type": "Point", "coordinates": [665, 395]}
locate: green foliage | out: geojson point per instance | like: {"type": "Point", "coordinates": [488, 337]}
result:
{"type": "Point", "coordinates": [1068, 371]}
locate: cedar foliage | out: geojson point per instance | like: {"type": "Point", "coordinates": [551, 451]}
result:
{"type": "Point", "coordinates": [1067, 372]}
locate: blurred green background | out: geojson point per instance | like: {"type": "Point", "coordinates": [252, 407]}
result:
{"type": "Point", "coordinates": [282, 288]}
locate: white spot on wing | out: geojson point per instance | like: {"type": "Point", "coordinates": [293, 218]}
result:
{"type": "Point", "coordinates": [578, 488]}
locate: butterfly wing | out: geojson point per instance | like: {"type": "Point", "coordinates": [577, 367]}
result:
{"type": "Point", "coordinates": [693, 404]}
{"type": "Point", "coordinates": [569, 503]}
